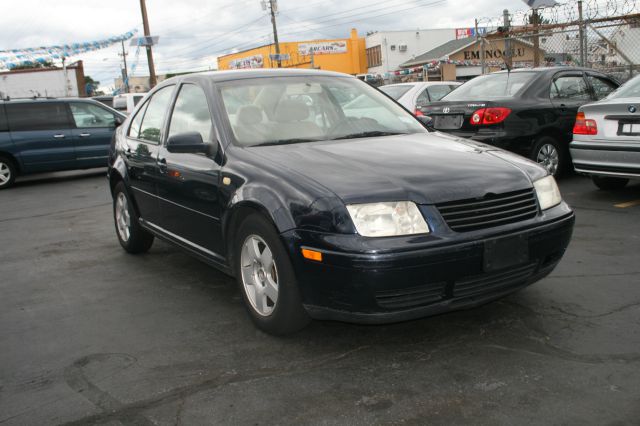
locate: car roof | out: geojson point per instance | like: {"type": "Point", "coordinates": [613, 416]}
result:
{"type": "Point", "coordinates": [228, 75]}
{"type": "Point", "coordinates": [422, 83]}
{"type": "Point", "coordinates": [545, 70]}
{"type": "Point", "coordinates": [47, 100]}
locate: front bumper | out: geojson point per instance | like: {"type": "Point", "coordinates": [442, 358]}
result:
{"type": "Point", "coordinates": [391, 285]}
{"type": "Point", "coordinates": [606, 158]}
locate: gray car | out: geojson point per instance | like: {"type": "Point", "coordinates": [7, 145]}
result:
{"type": "Point", "coordinates": [606, 138]}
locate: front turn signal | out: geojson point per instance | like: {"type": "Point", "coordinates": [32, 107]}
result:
{"type": "Point", "coordinates": [312, 255]}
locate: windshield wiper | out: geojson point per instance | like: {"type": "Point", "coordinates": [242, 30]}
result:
{"type": "Point", "coordinates": [286, 141]}
{"type": "Point", "coordinates": [370, 134]}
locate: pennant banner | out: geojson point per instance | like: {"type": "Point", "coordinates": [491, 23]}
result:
{"type": "Point", "coordinates": [12, 58]}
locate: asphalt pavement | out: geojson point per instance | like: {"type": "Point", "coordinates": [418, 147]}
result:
{"type": "Point", "coordinates": [92, 335]}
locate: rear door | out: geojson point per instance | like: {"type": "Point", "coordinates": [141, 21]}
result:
{"type": "Point", "coordinates": [94, 126]}
{"type": "Point", "coordinates": [41, 133]}
{"type": "Point", "coordinates": [568, 92]}
{"type": "Point", "coordinates": [141, 152]}
{"type": "Point", "coordinates": [189, 188]}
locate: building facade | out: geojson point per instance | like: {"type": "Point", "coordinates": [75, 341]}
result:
{"type": "Point", "coordinates": [386, 50]}
{"type": "Point", "coordinates": [341, 55]}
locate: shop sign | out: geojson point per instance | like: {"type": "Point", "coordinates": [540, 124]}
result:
{"type": "Point", "coordinates": [254, 61]}
{"type": "Point", "coordinates": [469, 32]}
{"type": "Point", "coordinates": [493, 53]}
{"type": "Point", "coordinates": [323, 48]}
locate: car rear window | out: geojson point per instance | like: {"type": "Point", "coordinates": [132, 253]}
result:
{"type": "Point", "coordinates": [37, 116]}
{"type": "Point", "coordinates": [492, 86]}
{"type": "Point", "coordinates": [396, 92]}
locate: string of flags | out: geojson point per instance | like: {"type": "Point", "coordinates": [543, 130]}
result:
{"type": "Point", "coordinates": [12, 58]}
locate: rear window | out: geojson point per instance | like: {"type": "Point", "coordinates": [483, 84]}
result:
{"type": "Point", "coordinates": [396, 92]}
{"type": "Point", "coordinates": [631, 89]}
{"type": "Point", "coordinates": [37, 116]}
{"type": "Point", "coordinates": [492, 86]}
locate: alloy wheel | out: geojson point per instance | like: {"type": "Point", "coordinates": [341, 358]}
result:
{"type": "Point", "coordinates": [123, 220]}
{"type": "Point", "coordinates": [259, 275]}
{"type": "Point", "coordinates": [549, 158]}
{"type": "Point", "coordinates": [5, 173]}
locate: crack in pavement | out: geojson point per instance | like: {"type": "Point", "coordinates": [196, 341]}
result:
{"type": "Point", "coordinates": [131, 413]}
{"type": "Point", "coordinates": [35, 216]}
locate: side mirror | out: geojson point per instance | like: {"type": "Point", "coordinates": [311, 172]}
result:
{"type": "Point", "coordinates": [189, 143]}
{"type": "Point", "coordinates": [426, 121]}
{"type": "Point", "coordinates": [118, 120]}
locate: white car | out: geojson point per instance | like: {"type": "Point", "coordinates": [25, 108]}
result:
{"type": "Point", "coordinates": [126, 102]}
{"type": "Point", "coordinates": [419, 93]}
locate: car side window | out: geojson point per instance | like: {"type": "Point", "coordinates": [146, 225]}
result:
{"type": "Point", "coordinates": [569, 87]}
{"type": "Point", "coordinates": [87, 115]}
{"type": "Point", "coordinates": [134, 129]}
{"type": "Point", "coordinates": [423, 98]}
{"type": "Point", "coordinates": [438, 92]}
{"type": "Point", "coordinates": [37, 116]}
{"type": "Point", "coordinates": [3, 120]}
{"type": "Point", "coordinates": [191, 113]}
{"type": "Point", "coordinates": [151, 126]}
{"type": "Point", "coordinates": [601, 87]}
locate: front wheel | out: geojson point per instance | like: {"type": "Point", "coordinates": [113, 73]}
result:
{"type": "Point", "coordinates": [266, 278]}
{"type": "Point", "coordinates": [7, 173]}
{"type": "Point", "coordinates": [608, 183]}
{"type": "Point", "coordinates": [549, 154]}
{"type": "Point", "coordinates": [130, 234]}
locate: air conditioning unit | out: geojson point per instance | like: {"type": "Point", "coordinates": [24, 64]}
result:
{"type": "Point", "coordinates": [393, 47]}
{"type": "Point", "coordinates": [402, 47]}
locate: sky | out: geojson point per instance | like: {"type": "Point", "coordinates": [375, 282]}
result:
{"type": "Point", "coordinates": [192, 33]}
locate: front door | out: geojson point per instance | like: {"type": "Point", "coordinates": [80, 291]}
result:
{"type": "Point", "coordinates": [41, 133]}
{"type": "Point", "coordinates": [141, 152]}
{"type": "Point", "coordinates": [189, 191]}
{"type": "Point", "coordinates": [94, 127]}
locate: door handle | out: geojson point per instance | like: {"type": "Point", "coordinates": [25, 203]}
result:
{"type": "Point", "coordinates": [58, 136]}
{"type": "Point", "coordinates": [84, 135]}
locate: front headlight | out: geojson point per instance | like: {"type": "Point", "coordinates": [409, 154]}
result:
{"type": "Point", "coordinates": [547, 192]}
{"type": "Point", "coordinates": [387, 219]}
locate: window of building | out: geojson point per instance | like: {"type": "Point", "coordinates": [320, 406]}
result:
{"type": "Point", "coordinates": [374, 56]}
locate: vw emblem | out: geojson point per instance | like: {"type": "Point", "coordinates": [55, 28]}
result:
{"type": "Point", "coordinates": [446, 110]}
{"type": "Point", "coordinates": [632, 109]}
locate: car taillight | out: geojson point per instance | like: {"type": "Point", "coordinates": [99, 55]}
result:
{"type": "Point", "coordinates": [487, 116]}
{"type": "Point", "coordinates": [584, 126]}
{"type": "Point", "coordinates": [418, 113]}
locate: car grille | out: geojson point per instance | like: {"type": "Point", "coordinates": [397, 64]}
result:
{"type": "Point", "coordinates": [489, 211]}
{"type": "Point", "coordinates": [412, 296]}
{"type": "Point", "coordinates": [495, 282]}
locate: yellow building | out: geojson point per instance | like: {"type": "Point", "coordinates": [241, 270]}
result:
{"type": "Point", "coordinates": [343, 55]}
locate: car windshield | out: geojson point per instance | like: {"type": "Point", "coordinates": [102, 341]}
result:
{"type": "Point", "coordinates": [492, 86]}
{"type": "Point", "coordinates": [630, 89]}
{"type": "Point", "coordinates": [396, 91]}
{"type": "Point", "coordinates": [282, 110]}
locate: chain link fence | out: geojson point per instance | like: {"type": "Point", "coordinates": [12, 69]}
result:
{"type": "Point", "coordinates": [600, 34]}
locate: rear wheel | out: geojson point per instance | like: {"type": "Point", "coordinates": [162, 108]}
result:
{"type": "Point", "coordinates": [130, 234]}
{"type": "Point", "coordinates": [607, 183]}
{"type": "Point", "coordinates": [549, 154]}
{"type": "Point", "coordinates": [7, 173]}
{"type": "Point", "coordinates": [266, 278]}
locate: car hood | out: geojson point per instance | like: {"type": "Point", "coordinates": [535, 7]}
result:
{"type": "Point", "coordinates": [426, 168]}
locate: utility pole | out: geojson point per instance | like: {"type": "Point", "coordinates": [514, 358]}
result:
{"type": "Point", "coordinates": [147, 33]}
{"type": "Point", "coordinates": [581, 34]}
{"type": "Point", "coordinates": [273, 8]}
{"type": "Point", "coordinates": [482, 49]}
{"type": "Point", "coordinates": [125, 74]}
{"type": "Point", "coordinates": [536, 38]}
{"type": "Point", "coordinates": [507, 41]}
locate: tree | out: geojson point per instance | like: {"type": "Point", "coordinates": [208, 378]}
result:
{"type": "Point", "coordinates": [90, 85]}
{"type": "Point", "coordinates": [33, 65]}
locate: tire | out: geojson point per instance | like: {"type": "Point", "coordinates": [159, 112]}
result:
{"type": "Point", "coordinates": [267, 282]}
{"type": "Point", "coordinates": [8, 172]}
{"type": "Point", "coordinates": [130, 234]}
{"type": "Point", "coordinates": [550, 154]}
{"type": "Point", "coordinates": [608, 183]}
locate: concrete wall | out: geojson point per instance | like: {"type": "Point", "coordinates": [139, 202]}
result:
{"type": "Point", "coordinates": [42, 83]}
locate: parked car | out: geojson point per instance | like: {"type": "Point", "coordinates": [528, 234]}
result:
{"type": "Point", "coordinates": [46, 135]}
{"type": "Point", "coordinates": [319, 214]}
{"type": "Point", "coordinates": [606, 138]}
{"type": "Point", "coordinates": [126, 102]}
{"type": "Point", "coordinates": [104, 99]}
{"type": "Point", "coordinates": [419, 93]}
{"type": "Point", "coordinates": [527, 111]}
